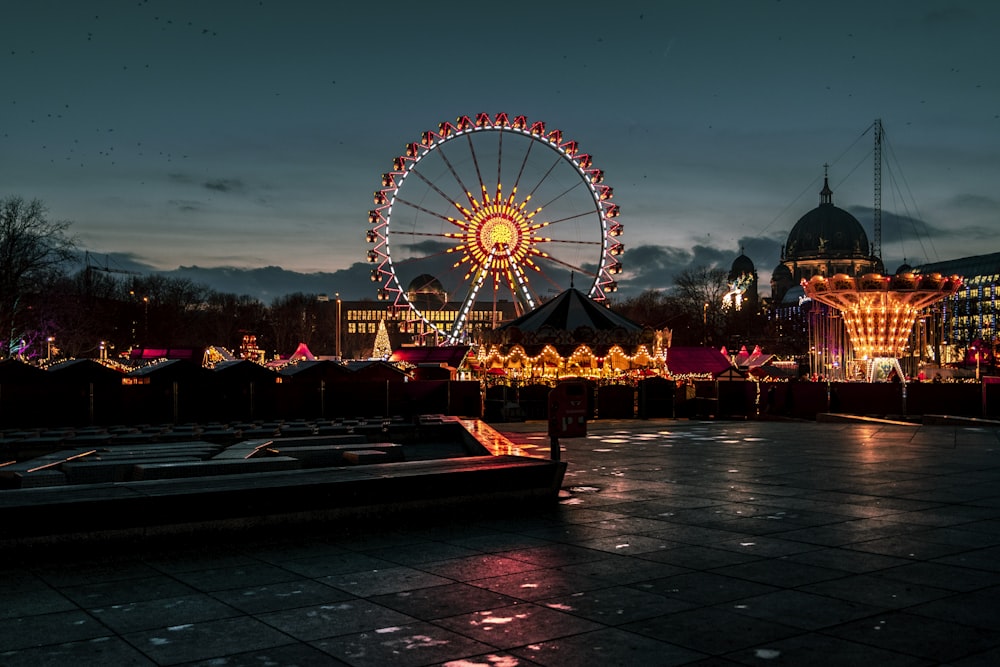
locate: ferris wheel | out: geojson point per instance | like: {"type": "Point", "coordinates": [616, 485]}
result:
{"type": "Point", "coordinates": [490, 209]}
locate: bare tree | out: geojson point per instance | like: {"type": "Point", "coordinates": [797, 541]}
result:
{"type": "Point", "coordinates": [168, 311]}
{"type": "Point", "coordinates": [293, 321]}
{"type": "Point", "coordinates": [700, 291]}
{"type": "Point", "coordinates": [652, 308]}
{"type": "Point", "coordinates": [32, 248]}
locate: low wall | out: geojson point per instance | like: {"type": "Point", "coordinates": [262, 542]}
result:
{"type": "Point", "coordinates": [50, 404]}
{"type": "Point", "coordinates": [656, 397]}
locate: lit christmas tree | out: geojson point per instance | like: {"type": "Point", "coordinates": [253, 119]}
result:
{"type": "Point", "coordinates": [382, 348]}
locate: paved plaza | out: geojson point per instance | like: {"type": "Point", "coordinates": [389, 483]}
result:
{"type": "Point", "coordinates": [673, 542]}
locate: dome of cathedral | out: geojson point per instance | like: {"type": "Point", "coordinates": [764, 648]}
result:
{"type": "Point", "coordinates": [793, 296]}
{"type": "Point", "coordinates": [426, 291]}
{"type": "Point", "coordinates": [782, 272]}
{"type": "Point", "coordinates": [827, 231]}
{"type": "Point", "coordinates": [782, 280]}
{"type": "Point", "coordinates": [742, 265]}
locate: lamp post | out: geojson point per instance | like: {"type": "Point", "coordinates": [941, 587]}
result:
{"type": "Point", "coordinates": [145, 320]}
{"type": "Point", "coordinates": [48, 347]}
{"type": "Point", "coordinates": [338, 325]}
{"type": "Point", "coordinates": [704, 310]}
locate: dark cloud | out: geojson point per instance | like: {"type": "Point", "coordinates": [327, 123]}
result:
{"type": "Point", "coordinates": [657, 266]}
{"type": "Point", "coordinates": [264, 284]}
{"type": "Point", "coordinates": [655, 257]}
{"type": "Point", "coordinates": [187, 205]}
{"type": "Point", "coordinates": [271, 282]}
{"type": "Point", "coordinates": [214, 184]}
{"type": "Point", "coordinates": [225, 185]}
{"type": "Point", "coordinates": [975, 203]}
{"type": "Point", "coordinates": [422, 248]}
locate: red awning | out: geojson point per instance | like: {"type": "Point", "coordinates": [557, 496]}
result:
{"type": "Point", "coordinates": [696, 361]}
{"type": "Point", "coordinates": [448, 355]}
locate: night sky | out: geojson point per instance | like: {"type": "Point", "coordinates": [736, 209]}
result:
{"type": "Point", "coordinates": [252, 134]}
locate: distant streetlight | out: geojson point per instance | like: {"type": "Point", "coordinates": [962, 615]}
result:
{"type": "Point", "coordinates": [102, 346]}
{"type": "Point", "coordinates": [145, 321]}
{"type": "Point", "coordinates": [338, 325]}
{"type": "Point", "coordinates": [48, 350]}
{"type": "Point", "coordinates": [704, 319]}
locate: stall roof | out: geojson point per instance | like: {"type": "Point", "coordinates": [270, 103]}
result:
{"type": "Point", "coordinates": [448, 355]}
{"type": "Point", "coordinates": [242, 368]}
{"type": "Point", "coordinates": [16, 371]}
{"type": "Point", "coordinates": [696, 360]}
{"type": "Point", "coordinates": [148, 353]}
{"type": "Point", "coordinates": [170, 369]}
{"type": "Point", "coordinates": [320, 368]}
{"type": "Point", "coordinates": [85, 370]}
{"type": "Point", "coordinates": [375, 369]}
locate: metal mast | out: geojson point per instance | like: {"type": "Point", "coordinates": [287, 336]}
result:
{"type": "Point", "coordinates": [877, 208]}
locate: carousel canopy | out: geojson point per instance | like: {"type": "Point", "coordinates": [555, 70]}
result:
{"type": "Point", "coordinates": [570, 310]}
{"type": "Point", "coordinates": [571, 320]}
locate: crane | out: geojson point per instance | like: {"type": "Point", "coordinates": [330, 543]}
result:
{"type": "Point", "coordinates": [877, 207]}
{"type": "Point", "coordinates": [106, 268]}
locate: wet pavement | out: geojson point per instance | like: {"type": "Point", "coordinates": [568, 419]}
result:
{"type": "Point", "coordinates": [673, 542]}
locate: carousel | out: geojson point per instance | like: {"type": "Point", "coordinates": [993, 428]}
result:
{"type": "Point", "coordinates": [572, 336]}
{"type": "Point", "coordinates": [879, 312]}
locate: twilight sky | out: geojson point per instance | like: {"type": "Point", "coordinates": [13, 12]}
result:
{"type": "Point", "coordinates": [232, 135]}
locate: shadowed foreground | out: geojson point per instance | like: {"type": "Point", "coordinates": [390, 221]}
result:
{"type": "Point", "coordinates": [673, 542]}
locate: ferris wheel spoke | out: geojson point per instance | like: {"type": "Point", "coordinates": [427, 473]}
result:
{"type": "Point", "coordinates": [422, 209]}
{"type": "Point", "coordinates": [545, 176]}
{"type": "Point", "coordinates": [524, 161]}
{"type": "Point", "coordinates": [595, 243]}
{"type": "Point", "coordinates": [436, 235]}
{"type": "Point", "coordinates": [554, 286]}
{"type": "Point", "coordinates": [499, 160]}
{"type": "Point", "coordinates": [565, 264]}
{"type": "Point", "coordinates": [475, 162]}
{"type": "Point", "coordinates": [437, 190]}
{"type": "Point", "coordinates": [563, 194]}
{"type": "Point", "coordinates": [458, 179]}
{"type": "Point", "coordinates": [568, 218]}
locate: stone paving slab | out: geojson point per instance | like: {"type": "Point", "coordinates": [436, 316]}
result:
{"type": "Point", "coordinates": [672, 542]}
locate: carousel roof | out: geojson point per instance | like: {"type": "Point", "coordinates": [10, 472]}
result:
{"type": "Point", "coordinates": [570, 310]}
